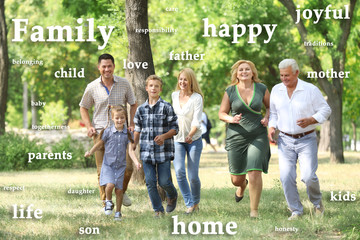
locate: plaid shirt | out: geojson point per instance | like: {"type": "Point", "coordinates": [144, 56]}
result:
{"type": "Point", "coordinates": [95, 94]}
{"type": "Point", "coordinates": [151, 122]}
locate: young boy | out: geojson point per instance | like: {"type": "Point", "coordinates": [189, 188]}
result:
{"type": "Point", "coordinates": [155, 125]}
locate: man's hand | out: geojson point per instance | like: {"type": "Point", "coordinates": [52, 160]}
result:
{"type": "Point", "coordinates": [133, 146]}
{"type": "Point", "coordinates": [91, 132]}
{"type": "Point", "coordinates": [159, 140]}
{"type": "Point", "coordinates": [271, 135]}
{"type": "Point", "coordinates": [304, 122]}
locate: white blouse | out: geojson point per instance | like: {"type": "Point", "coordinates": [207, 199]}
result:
{"type": "Point", "coordinates": [189, 115]}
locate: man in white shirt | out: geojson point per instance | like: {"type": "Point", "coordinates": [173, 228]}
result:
{"type": "Point", "coordinates": [296, 108]}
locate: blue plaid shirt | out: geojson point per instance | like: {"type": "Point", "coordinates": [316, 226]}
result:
{"type": "Point", "coordinates": [151, 122]}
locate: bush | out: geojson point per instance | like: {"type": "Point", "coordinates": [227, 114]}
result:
{"type": "Point", "coordinates": [77, 151]}
{"type": "Point", "coordinates": [14, 149]}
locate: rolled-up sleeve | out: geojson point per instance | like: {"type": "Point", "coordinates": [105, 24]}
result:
{"type": "Point", "coordinates": [273, 114]}
{"type": "Point", "coordinates": [198, 110]}
{"type": "Point", "coordinates": [172, 119]}
{"type": "Point", "coordinates": [87, 100]}
{"type": "Point", "coordinates": [137, 121]}
{"type": "Point", "coordinates": [322, 109]}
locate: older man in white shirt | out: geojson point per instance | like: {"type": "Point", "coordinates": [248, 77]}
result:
{"type": "Point", "coordinates": [296, 108]}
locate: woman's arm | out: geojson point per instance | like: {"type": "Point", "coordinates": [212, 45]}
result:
{"type": "Point", "coordinates": [225, 109]}
{"type": "Point", "coordinates": [266, 101]}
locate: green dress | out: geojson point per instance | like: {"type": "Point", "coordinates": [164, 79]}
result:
{"type": "Point", "coordinates": [247, 143]}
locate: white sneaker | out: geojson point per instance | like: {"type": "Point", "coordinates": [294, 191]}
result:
{"type": "Point", "coordinates": [294, 216]}
{"type": "Point", "coordinates": [117, 216]}
{"type": "Point", "coordinates": [126, 200]}
{"type": "Point", "coordinates": [108, 207]}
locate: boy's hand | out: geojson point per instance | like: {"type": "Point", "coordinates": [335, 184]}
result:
{"type": "Point", "coordinates": [87, 154]}
{"type": "Point", "coordinates": [159, 140]}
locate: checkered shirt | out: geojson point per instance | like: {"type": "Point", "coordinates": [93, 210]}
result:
{"type": "Point", "coordinates": [151, 122]}
{"type": "Point", "coordinates": [95, 94]}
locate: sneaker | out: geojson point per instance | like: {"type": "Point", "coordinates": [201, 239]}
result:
{"type": "Point", "coordinates": [159, 214]}
{"type": "Point", "coordinates": [109, 206]}
{"type": "Point", "coordinates": [319, 209]}
{"type": "Point", "coordinates": [294, 216]}
{"type": "Point", "coordinates": [126, 200]}
{"type": "Point", "coordinates": [117, 216]}
{"type": "Point", "coordinates": [171, 204]}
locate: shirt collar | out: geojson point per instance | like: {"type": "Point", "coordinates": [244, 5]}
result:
{"type": "Point", "coordinates": [115, 79]}
{"type": "Point", "coordinates": [114, 130]}
{"type": "Point", "coordinates": [299, 86]}
{"type": "Point", "coordinates": [148, 105]}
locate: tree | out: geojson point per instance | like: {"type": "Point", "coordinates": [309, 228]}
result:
{"type": "Point", "coordinates": [334, 89]}
{"type": "Point", "coordinates": [139, 51]}
{"type": "Point", "coordinates": [4, 67]}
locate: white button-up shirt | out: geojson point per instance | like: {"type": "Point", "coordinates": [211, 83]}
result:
{"type": "Point", "coordinates": [189, 115]}
{"type": "Point", "coordinates": [306, 101]}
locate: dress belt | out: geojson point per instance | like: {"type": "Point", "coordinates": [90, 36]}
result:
{"type": "Point", "coordinates": [299, 135]}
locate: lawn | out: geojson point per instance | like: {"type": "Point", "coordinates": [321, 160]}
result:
{"type": "Point", "coordinates": [73, 216]}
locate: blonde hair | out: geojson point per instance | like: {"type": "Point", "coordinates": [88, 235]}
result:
{"type": "Point", "coordinates": [193, 83]}
{"type": "Point", "coordinates": [121, 109]}
{"type": "Point", "coordinates": [234, 70]}
{"type": "Point", "coordinates": [154, 77]}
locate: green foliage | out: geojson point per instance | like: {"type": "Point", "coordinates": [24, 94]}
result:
{"type": "Point", "coordinates": [54, 114]}
{"type": "Point", "coordinates": [14, 117]}
{"type": "Point", "coordinates": [14, 149]}
{"type": "Point", "coordinates": [77, 151]}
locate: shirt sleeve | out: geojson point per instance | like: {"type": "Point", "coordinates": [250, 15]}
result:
{"type": "Point", "coordinates": [273, 114]}
{"type": "Point", "coordinates": [172, 119]}
{"type": "Point", "coordinates": [87, 100]}
{"type": "Point", "coordinates": [106, 135]}
{"type": "Point", "coordinates": [137, 121]}
{"type": "Point", "coordinates": [198, 110]}
{"type": "Point", "coordinates": [322, 109]}
{"type": "Point", "coordinates": [130, 96]}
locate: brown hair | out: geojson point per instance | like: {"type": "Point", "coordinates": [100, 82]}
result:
{"type": "Point", "coordinates": [154, 77]}
{"type": "Point", "coordinates": [235, 67]}
{"type": "Point", "coordinates": [121, 109]}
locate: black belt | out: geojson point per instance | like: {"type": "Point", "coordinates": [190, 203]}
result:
{"type": "Point", "coordinates": [299, 135]}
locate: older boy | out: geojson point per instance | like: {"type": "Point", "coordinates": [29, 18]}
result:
{"type": "Point", "coordinates": [155, 125]}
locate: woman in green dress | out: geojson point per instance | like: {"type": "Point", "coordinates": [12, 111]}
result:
{"type": "Point", "coordinates": [246, 135]}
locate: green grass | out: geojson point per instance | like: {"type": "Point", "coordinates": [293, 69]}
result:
{"type": "Point", "coordinates": [64, 214]}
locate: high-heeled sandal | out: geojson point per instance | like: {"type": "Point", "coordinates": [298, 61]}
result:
{"type": "Point", "coordinates": [238, 199]}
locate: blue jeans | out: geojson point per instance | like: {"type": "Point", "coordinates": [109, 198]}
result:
{"type": "Point", "coordinates": [161, 172]}
{"type": "Point", "coordinates": [193, 152]}
{"type": "Point", "coordinates": [304, 149]}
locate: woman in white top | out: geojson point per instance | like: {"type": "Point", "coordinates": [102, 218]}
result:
{"type": "Point", "coordinates": [188, 105]}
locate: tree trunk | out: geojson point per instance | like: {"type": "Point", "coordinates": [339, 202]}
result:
{"type": "Point", "coordinates": [139, 51]}
{"type": "Point", "coordinates": [353, 124]}
{"type": "Point", "coordinates": [25, 105]}
{"type": "Point", "coordinates": [33, 109]}
{"type": "Point", "coordinates": [333, 90]}
{"type": "Point", "coordinates": [336, 141]}
{"type": "Point", "coordinates": [4, 67]}
{"type": "Point", "coordinates": [324, 144]}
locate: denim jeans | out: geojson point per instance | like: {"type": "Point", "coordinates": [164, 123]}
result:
{"type": "Point", "coordinates": [161, 172]}
{"type": "Point", "coordinates": [304, 149]}
{"type": "Point", "coordinates": [193, 153]}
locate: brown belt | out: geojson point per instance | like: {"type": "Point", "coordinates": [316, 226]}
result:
{"type": "Point", "coordinates": [299, 135]}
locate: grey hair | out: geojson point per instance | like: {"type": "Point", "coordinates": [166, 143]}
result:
{"type": "Point", "coordinates": [289, 63]}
